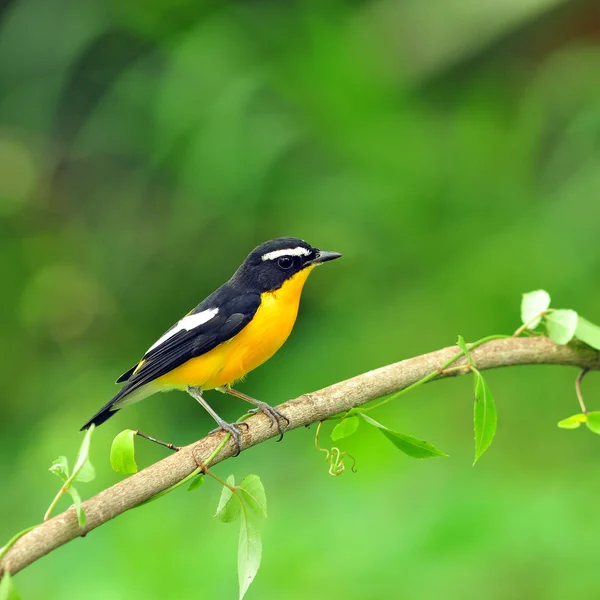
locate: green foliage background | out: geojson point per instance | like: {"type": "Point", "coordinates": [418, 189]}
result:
{"type": "Point", "coordinates": [145, 148]}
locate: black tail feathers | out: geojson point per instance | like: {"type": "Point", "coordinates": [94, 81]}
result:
{"type": "Point", "coordinates": [105, 413]}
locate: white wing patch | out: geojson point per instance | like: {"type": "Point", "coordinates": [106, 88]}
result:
{"type": "Point", "coordinates": [188, 322]}
{"type": "Point", "coordinates": [299, 251]}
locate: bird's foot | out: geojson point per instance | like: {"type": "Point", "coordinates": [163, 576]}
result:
{"type": "Point", "coordinates": [234, 430]}
{"type": "Point", "coordinates": [276, 417]}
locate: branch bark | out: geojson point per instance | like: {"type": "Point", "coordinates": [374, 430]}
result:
{"type": "Point", "coordinates": [304, 410]}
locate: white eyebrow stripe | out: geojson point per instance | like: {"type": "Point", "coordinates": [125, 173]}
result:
{"type": "Point", "coordinates": [299, 251]}
{"type": "Point", "coordinates": [188, 322]}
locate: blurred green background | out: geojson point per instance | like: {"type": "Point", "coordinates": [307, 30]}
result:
{"type": "Point", "coordinates": [450, 150]}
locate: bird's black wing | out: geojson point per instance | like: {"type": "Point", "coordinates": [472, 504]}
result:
{"type": "Point", "coordinates": [234, 312]}
{"type": "Point", "coordinates": [127, 374]}
{"type": "Point", "coordinates": [231, 318]}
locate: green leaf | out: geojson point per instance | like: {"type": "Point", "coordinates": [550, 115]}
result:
{"type": "Point", "coordinates": [8, 591]}
{"type": "Point", "coordinates": [81, 518]}
{"type": "Point", "coordinates": [249, 553]}
{"type": "Point", "coordinates": [463, 346]}
{"type": "Point", "coordinates": [60, 467]}
{"type": "Point", "coordinates": [253, 492]}
{"type": "Point", "coordinates": [593, 422]}
{"type": "Point", "coordinates": [572, 422]}
{"type": "Point", "coordinates": [229, 506]}
{"type": "Point", "coordinates": [197, 482]}
{"type": "Point", "coordinates": [86, 473]}
{"type": "Point", "coordinates": [561, 326]}
{"type": "Point", "coordinates": [84, 451]}
{"type": "Point", "coordinates": [532, 305]}
{"type": "Point", "coordinates": [588, 332]}
{"type": "Point", "coordinates": [345, 428]}
{"type": "Point", "coordinates": [122, 453]}
{"type": "Point", "coordinates": [411, 446]}
{"type": "Point", "coordinates": [485, 416]}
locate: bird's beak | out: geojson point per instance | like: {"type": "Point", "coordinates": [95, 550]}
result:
{"type": "Point", "coordinates": [324, 256]}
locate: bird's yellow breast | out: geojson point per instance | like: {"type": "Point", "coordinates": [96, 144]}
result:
{"type": "Point", "coordinates": [251, 347]}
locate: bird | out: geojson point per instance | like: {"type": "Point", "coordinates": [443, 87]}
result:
{"type": "Point", "coordinates": [231, 332]}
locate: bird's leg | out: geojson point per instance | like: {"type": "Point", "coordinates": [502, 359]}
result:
{"type": "Point", "coordinates": [276, 417]}
{"type": "Point", "coordinates": [165, 444]}
{"type": "Point", "coordinates": [223, 425]}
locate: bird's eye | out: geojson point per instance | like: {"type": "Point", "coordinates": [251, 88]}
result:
{"type": "Point", "coordinates": [285, 262]}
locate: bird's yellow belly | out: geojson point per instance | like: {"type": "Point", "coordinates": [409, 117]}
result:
{"type": "Point", "coordinates": [250, 348]}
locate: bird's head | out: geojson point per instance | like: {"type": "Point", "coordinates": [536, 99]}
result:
{"type": "Point", "coordinates": [273, 263]}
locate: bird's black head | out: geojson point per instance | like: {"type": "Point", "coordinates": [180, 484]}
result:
{"type": "Point", "coordinates": [273, 263]}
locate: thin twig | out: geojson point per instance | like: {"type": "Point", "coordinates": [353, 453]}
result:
{"type": "Point", "coordinates": [232, 488]}
{"type": "Point", "coordinates": [578, 381]}
{"type": "Point", "coordinates": [61, 492]}
{"type": "Point", "coordinates": [159, 442]}
{"type": "Point", "coordinates": [525, 326]}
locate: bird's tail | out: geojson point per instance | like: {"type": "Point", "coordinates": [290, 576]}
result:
{"type": "Point", "coordinates": [105, 413]}
{"type": "Point", "coordinates": [128, 394]}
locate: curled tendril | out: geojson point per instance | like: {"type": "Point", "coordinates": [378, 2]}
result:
{"type": "Point", "coordinates": [335, 457]}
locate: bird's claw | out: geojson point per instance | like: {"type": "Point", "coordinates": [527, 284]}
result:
{"type": "Point", "coordinates": [276, 417]}
{"type": "Point", "coordinates": [234, 431]}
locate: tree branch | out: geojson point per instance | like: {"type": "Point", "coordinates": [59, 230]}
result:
{"type": "Point", "coordinates": [304, 410]}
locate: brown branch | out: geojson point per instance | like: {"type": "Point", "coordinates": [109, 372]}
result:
{"type": "Point", "coordinates": [304, 410]}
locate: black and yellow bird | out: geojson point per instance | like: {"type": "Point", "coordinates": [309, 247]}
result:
{"type": "Point", "coordinates": [234, 330]}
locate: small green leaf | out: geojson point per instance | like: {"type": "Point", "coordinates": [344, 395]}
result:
{"type": "Point", "coordinates": [485, 416]}
{"type": "Point", "coordinates": [84, 450]}
{"type": "Point", "coordinates": [122, 453]}
{"type": "Point", "coordinates": [588, 332]}
{"type": "Point", "coordinates": [8, 591]}
{"type": "Point", "coordinates": [561, 326]}
{"type": "Point", "coordinates": [411, 446]}
{"type": "Point", "coordinates": [533, 305]}
{"type": "Point", "coordinates": [593, 422]}
{"type": "Point", "coordinates": [78, 508]}
{"type": "Point", "coordinates": [572, 422]}
{"type": "Point", "coordinates": [253, 492]}
{"type": "Point", "coordinates": [345, 428]}
{"type": "Point", "coordinates": [197, 482]}
{"type": "Point", "coordinates": [60, 467]}
{"type": "Point", "coordinates": [463, 346]}
{"type": "Point", "coordinates": [249, 553]}
{"type": "Point", "coordinates": [228, 509]}
{"type": "Point", "coordinates": [86, 472]}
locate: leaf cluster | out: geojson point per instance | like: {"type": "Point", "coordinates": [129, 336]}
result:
{"type": "Point", "coordinates": [562, 324]}
{"type": "Point", "coordinates": [83, 471]}
{"type": "Point", "coordinates": [247, 503]}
